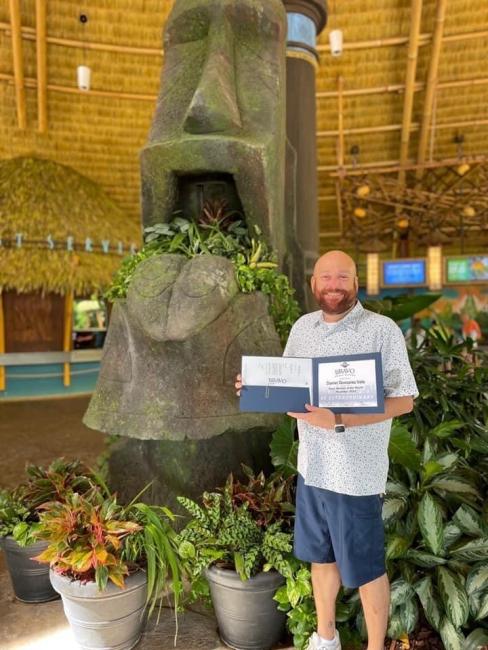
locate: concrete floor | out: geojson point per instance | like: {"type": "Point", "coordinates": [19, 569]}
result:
{"type": "Point", "coordinates": [37, 432]}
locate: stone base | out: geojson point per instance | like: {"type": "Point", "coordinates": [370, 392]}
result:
{"type": "Point", "coordinates": [185, 468]}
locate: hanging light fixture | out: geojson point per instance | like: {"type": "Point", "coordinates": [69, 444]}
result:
{"type": "Point", "coordinates": [403, 223]}
{"type": "Point", "coordinates": [463, 167]}
{"type": "Point", "coordinates": [434, 267]}
{"type": "Point", "coordinates": [360, 213]}
{"type": "Point", "coordinates": [335, 36]}
{"type": "Point", "coordinates": [83, 72]}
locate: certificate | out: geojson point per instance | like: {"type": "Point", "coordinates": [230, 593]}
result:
{"type": "Point", "coordinates": [343, 384]}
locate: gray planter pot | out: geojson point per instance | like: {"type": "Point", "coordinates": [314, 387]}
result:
{"type": "Point", "coordinates": [247, 615]}
{"type": "Point", "coordinates": [109, 619]}
{"type": "Point", "coordinates": [30, 579]}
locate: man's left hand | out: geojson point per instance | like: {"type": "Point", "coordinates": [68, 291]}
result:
{"type": "Point", "coordinates": [316, 416]}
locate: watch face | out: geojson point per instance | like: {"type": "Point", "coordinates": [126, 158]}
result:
{"type": "Point", "coordinates": [339, 428]}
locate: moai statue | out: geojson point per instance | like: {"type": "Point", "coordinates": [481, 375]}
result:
{"type": "Point", "coordinates": [175, 344]}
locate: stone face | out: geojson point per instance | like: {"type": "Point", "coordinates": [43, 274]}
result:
{"type": "Point", "coordinates": [221, 109]}
{"type": "Point", "coordinates": [172, 354]}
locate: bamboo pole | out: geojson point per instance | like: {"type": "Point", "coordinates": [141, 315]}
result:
{"type": "Point", "coordinates": [340, 121]}
{"type": "Point", "coordinates": [2, 344]}
{"type": "Point", "coordinates": [431, 84]}
{"type": "Point", "coordinates": [392, 166]}
{"type": "Point", "coordinates": [41, 65]}
{"type": "Point", "coordinates": [68, 329]}
{"type": "Point", "coordinates": [400, 88]}
{"type": "Point", "coordinates": [397, 127]}
{"type": "Point", "coordinates": [28, 33]}
{"type": "Point", "coordinates": [413, 46]}
{"type": "Point", "coordinates": [18, 63]}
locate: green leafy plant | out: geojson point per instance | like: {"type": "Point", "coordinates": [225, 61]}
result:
{"type": "Point", "coordinates": [96, 539]}
{"type": "Point", "coordinates": [245, 527]}
{"type": "Point", "coordinates": [19, 514]}
{"type": "Point", "coordinates": [219, 231]}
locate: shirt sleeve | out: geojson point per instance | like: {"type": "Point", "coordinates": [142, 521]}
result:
{"type": "Point", "coordinates": [290, 348]}
{"type": "Point", "coordinates": [398, 377]}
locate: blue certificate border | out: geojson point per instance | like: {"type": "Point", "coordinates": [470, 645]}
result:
{"type": "Point", "coordinates": [376, 356]}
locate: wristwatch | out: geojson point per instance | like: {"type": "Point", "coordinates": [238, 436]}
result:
{"type": "Point", "coordinates": [339, 425]}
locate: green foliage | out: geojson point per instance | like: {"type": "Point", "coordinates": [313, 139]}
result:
{"type": "Point", "coordinates": [19, 507]}
{"type": "Point", "coordinates": [93, 538]}
{"type": "Point", "coordinates": [401, 307]}
{"type": "Point", "coordinates": [244, 526]}
{"type": "Point", "coordinates": [255, 265]}
{"type": "Point", "coordinates": [436, 507]}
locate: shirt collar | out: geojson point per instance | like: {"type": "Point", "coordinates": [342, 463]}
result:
{"type": "Point", "coordinates": [351, 320]}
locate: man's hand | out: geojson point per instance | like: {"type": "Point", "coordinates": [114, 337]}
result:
{"type": "Point", "coordinates": [238, 385]}
{"type": "Point", "coordinates": [323, 418]}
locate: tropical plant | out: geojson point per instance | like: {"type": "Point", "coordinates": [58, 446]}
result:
{"type": "Point", "coordinates": [219, 231]}
{"type": "Point", "coordinates": [245, 527]}
{"type": "Point", "coordinates": [400, 307]}
{"type": "Point", "coordinates": [95, 539]}
{"type": "Point", "coordinates": [436, 505]}
{"type": "Point", "coordinates": [19, 515]}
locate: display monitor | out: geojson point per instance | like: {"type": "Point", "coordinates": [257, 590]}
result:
{"type": "Point", "coordinates": [404, 273]}
{"type": "Point", "coordinates": [467, 268]}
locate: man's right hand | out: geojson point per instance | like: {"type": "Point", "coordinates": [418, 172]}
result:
{"type": "Point", "coordinates": [238, 385]}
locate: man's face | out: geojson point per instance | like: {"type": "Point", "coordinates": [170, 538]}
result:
{"type": "Point", "coordinates": [335, 288]}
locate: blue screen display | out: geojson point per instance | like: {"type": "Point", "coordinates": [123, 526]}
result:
{"type": "Point", "coordinates": [404, 272]}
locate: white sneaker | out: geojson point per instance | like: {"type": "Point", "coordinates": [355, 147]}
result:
{"type": "Point", "coordinates": [316, 643]}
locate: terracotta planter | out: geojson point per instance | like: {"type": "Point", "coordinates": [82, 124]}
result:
{"type": "Point", "coordinates": [30, 579]}
{"type": "Point", "coordinates": [112, 619]}
{"type": "Point", "coordinates": [247, 615]}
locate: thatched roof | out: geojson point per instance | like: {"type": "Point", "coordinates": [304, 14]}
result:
{"type": "Point", "coordinates": [443, 80]}
{"type": "Point", "coordinates": [53, 208]}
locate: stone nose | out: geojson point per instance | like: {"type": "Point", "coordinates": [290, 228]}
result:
{"type": "Point", "coordinates": [214, 107]}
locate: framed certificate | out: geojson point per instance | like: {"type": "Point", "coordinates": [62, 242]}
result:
{"type": "Point", "coordinates": [349, 384]}
{"type": "Point", "coordinates": [344, 384]}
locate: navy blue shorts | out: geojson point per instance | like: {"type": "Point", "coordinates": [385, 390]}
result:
{"type": "Point", "coordinates": [333, 527]}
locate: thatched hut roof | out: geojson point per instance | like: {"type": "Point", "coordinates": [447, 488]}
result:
{"type": "Point", "coordinates": [46, 209]}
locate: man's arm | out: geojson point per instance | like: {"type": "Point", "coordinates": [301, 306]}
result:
{"type": "Point", "coordinates": [324, 418]}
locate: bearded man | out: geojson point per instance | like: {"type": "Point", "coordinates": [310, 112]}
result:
{"type": "Point", "coordinates": [343, 460]}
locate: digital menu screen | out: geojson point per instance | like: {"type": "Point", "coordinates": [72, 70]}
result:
{"type": "Point", "coordinates": [399, 273]}
{"type": "Point", "coordinates": [473, 268]}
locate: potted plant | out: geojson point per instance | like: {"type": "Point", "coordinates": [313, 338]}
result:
{"type": "Point", "coordinates": [108, 562]}
{"type": "Point", "coordinates": [19, 520]}
{"type": "Point", "coordinates": [239, 539]}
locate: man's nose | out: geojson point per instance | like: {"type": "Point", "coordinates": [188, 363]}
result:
{"type": "Point", "coordinates": [214, 106]}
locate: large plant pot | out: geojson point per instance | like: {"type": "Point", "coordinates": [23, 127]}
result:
{"type": "Point", "coordinates": [112, 619]}
{"type": "Point", "coordinates": [30, 579]}
{"type": "Point", "coordinates": [247, 615]}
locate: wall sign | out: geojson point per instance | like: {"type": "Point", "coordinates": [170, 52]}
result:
{"type": "Point", "coordinates": [404, 273]}
{"type": "Point", "coordinates": [466, 268]}
{"type": "Point", "coordinates": [88, 245]}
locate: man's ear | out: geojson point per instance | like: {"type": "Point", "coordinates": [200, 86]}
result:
{"type": "Point", "coordinates": [312, 283]}
{"type": "Point", "coordinates": [356, 283]}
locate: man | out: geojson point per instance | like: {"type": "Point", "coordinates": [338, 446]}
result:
{"type": "Point", "coordinates": [343, 460]}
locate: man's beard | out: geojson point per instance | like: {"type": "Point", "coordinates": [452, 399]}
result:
{"type": "Point", "coordinates": [335, 306]}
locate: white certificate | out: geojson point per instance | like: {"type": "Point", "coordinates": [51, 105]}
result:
{"type": "Point", "coordinates": [350, 383]}
{"type": "Point", "coordinates": [289, 372]}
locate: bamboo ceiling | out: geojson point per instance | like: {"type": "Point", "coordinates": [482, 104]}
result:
{"type": "Point", "coordinates": [412, 76]}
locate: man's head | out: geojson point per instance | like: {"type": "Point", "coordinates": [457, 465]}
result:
{"type": "Point", "coordinates": [335, 282]}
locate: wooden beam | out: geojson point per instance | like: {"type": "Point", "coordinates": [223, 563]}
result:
{"type": "Point", "coordinates": [431, 85]}
{"type": "Point", "coordinates": [18, 63]}
{"type": "Point", "coordinates": [68, 333]}
{"type": "Point", "coordinates": [413, 47]}
{"type": "Point", "coordinates": [2, 343]}
{"type": "Point", "coordinates": [41, 65]}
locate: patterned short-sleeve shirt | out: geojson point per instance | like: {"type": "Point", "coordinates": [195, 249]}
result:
{"type": "Point", "coordinates": [354, 462]}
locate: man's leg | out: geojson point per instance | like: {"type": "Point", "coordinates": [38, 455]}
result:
{"type": "Point", "coordinates": [375, 598]}
{"type": "Point", "coordinates": [326, 583]}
